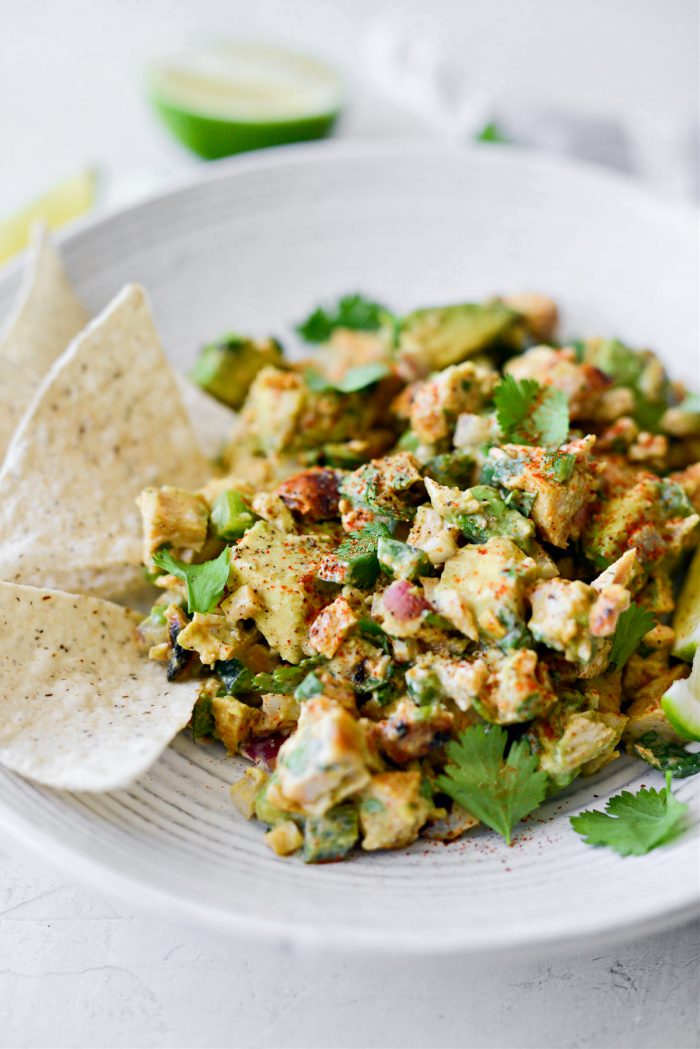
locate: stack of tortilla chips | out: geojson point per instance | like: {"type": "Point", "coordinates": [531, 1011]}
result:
{"type": "Point", "coordinates": [91, 413]}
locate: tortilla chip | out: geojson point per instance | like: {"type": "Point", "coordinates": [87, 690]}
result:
{"type": "Point", "coordinates": [81, 708]}
{"type": "Point", "coordinates": [47, 312]}
{"type": "Point", "coordinates": [106, 421]}
{"type": "Point", "coordinates": [17, 387]}
{"type": "Point", "coordinates": [211, 420]}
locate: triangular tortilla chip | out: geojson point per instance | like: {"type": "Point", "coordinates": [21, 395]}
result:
{"type": "Point", "coordinates": [47, 314]}
{"type": "Point", "coordinates": [106, 421]}
{"type": "Point", "coordinates": [81, 708]}
{"type": "Point", "coordinates": [17, 387]}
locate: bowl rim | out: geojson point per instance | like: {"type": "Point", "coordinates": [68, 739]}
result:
{"type": "Point", "coordinates": [160, 901]}
{"type": "Point", "coordinates": [681, 213]}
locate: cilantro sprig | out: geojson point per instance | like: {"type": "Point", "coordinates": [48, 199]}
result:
{"type": "Point", "coordinates": [284, 679]}
{"type": "Point", "coordinates": [498, 789]}
{"type": "Point", "coordinates": [351, 311]}
{"type": "Point", "coordinates": [354, 380]}
{"type": "Point", "coordinates": [634, 824]}
{"type": "Point", "coordinates": [205, 583]}
{"type": "Point", "coordinates": [528, 413]}
{"type": "Point", "coordinates": [632, 625]}
{"type": "Point", "coordinates": [491, 132]}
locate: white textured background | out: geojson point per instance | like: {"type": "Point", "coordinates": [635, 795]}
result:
{"type": "Point", "coordinates": [79, 970]}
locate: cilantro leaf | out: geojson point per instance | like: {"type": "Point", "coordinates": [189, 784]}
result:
{"type": "Point", "coordinates": [632, 625]}
{"type": "Point", "coordinates": [355, 379]}
{"type": "Point", "coordinates": [498, 790]}
{"type": "Point", "coordinates": [359, 552]}
{"type": "Point", "coordinates": [205, 583]}
{"type": "Point", "coordinates": [351, 311]}
{"type": "Point", "coordinates": [236, 677]}
{"type": "Point", "coordinates": [285, 679]}
{"type": "Point", "coordinates": [531, 414]}
{"type": "Point", "coordinates": [666, 756]}
{"type": "Point", "coordinates": [202, 720]}
{"type": "Point", "coordinates": [634, 824]}
{"type": "Point", "coordinates": [491, 133]}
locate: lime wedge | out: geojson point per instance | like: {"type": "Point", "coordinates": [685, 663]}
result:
{"type": "Point", "coordinates": [65, 201]}
{"type": "Point", "coordinates": [686, 618]}
{"type": "Point", "coordinates": [237, 96]}
{"type": "Point", "coordinates": [681, 704]}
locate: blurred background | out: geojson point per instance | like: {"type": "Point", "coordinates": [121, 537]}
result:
{"type": "Point", "coordinates": [611, 82]}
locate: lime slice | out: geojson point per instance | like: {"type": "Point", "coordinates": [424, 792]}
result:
{"type": "Point", "coordinates": [67, 200]}
{"type": "Point", "coordinates": [686, 618]}
{"type": "Point", "coordinates": [237, 96]}
{"type": "Point", "coordinates": [681, 704]}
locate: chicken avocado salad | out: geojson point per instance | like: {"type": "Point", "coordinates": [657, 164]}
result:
{"type": "Point", "coordinates": [420, 572]}
{"type": "Point", "coordinates": [432, 579]}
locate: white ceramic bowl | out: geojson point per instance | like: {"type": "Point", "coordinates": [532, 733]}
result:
{"type": "Point", "coordinates": [253, 245]}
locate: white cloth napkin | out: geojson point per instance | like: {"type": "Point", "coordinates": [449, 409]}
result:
{"type": "Point", "coordinates": [419, 72]}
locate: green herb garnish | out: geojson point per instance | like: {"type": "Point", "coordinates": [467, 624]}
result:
{"type": "Point", "coordinates": [354, 380]}
{"type": "Point", "coordinates": [498, 789]}
{"type": "Point", "coordinates": [666, 756]}
{"type": "Point", "coordinates": [236, 676]}
{"type": "Point", "coordinates": [491, 133]}
{"type": "Point", "coordinates": [202, 721]}
{"type": "Point", "coordinates": [632, 625]}
{"type": "Point", "coordinates": [205, 582]}
{"type": "Point", "coordinates": [285, 679]}
{"type": "Point", "coordinates": [634, 824]}
{"type": "Point", "coordinates": [351, 311]}
{"type": "Point", "coordinates": [531, 414]}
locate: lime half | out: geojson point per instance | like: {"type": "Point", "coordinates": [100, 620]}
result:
{"type": "Point", "coordinates": [64, 202]}
{"type": "Point", "coordinates": [681, 704]}
{"type": "Point", "coordinates": [686, 618]}
{"type": "Point", "coordinates": [237, 96]}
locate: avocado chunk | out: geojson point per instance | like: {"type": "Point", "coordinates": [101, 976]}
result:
{"type": "Point", "coordinates": [482, 592]}
{"type": "Point", "coordinates": [281, 568]}
{"type": "Point", "coordinates": [569, 740]}
{"type": "Point", "coordinates": [639, 371]}
{"type": "Point", "coordinates": [265, 809]}
{"type": "Point", "coordinates": [440, 336]}
{"type": "Point", "coordinates": [653, 516]}
{"type": "Point", "coordinates": [230, 516]}
{"type": "Point", "coordinates": [401, 561]}
{"type": "Point", "coordinates": [393, 808]}
{"type": "Point", "coordinates": [495, 517]}
{"type": "Point", "coordinates": [423, 685]}
{"type": "Point", "coordinates": [453, 469]}
{"type": "Point", "coordinates": [226, 368]}
{"type": "Point", "coordinates": [331, 836]}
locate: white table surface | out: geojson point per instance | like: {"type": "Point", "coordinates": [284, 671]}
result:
{"type": "Point", "coordinates": [77, 969]}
